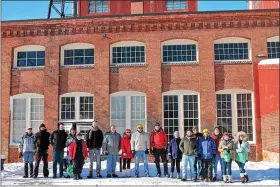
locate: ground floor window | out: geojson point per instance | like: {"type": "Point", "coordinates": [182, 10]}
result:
{"type": "Point", "coordinates": [180, 111]}
{"type": "Point", "coordinates": [127, 110]}
{"type": "Point", "coordinates": [27, 110]}
{"type": "Point", "coordinates": [235, 112]}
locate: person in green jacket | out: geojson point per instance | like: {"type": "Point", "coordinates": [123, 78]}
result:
{"type": "Point", "coordinates": [242, 148]}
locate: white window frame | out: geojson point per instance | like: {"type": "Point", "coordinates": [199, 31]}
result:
{"type": "Point", "coordinates": [180, 42]}
{"type": "Point", "coordinates": [76, 46]}
{"type": "Point", "coordinates": [234, 40]}
{"type": "Point", "coordinates": [127, 95]}
{"type": "Point", "coordinates": [27, 97]}
{"type": "Point", "coordinates": [233, 93]}
{"type": "Point", "coordinates": [272, 39]}
{"type": "Point", "coordinates": [77, 96]}
{"type": "Point", "coordinates": [28, 48]}
{"type": "Point", "coordinates": [180, 94]}
{"type": "Point", "coordinates": [127, 44]}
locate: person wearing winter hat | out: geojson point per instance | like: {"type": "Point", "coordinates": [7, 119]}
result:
{"type": "Point", "coordinates": [159, 143]}
{"type": "Point", "coordinates": [26, 150]}
{"type": "Point", "coordinates": [226, 148]}
{"type": "Point", "coordinates": [207, 153]}
{"type": "Point", "coordinates": [140, 145]}
{"type": "Point", "coordinates": [242, 149]}
{"type": "Point", "coordinates": [126, 152]}
{"type": "Point", "coordinates": [42, 145]}
{"type": "Point", "coordinates": [217, 135]}
{"type": "Point", "coordinates": [78, 154]}
{"type": "Point", "coordinates": [175, 154]}
{"type": "Point", "coordinates": [70, 138]}
{"type": "Point", "coordinates": [197, 162]}
{"type": "Point", "coordinates": [188, 146]}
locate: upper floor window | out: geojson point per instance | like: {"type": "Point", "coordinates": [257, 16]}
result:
{"type": "Point", "coordinates": [98, 6]}
{"type": "Point", "coordinates": [232, 49]}
{"type": "Point", "coordinates": [76, 106]}
{"type": "Point", "coordinates": [176, 4]}
{"type": "Point", "coordinates": [273, 47]}
{"type": "Point", "coordinates": [77, 54]}
{"type": "Point", "coordinates": [129, 52]}
{"type": "Point", "coordinates": [26, 110]}
{"type": "Point", "coordinates": [29, 56]}
{"type": "Point", "coordinates": [179, 51]}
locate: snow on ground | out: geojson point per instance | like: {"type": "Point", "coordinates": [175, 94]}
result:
{"type": "Point", "coordinates": [260, 173]}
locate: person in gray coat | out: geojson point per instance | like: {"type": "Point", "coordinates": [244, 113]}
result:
{"type": "Point", "coordinates": [27, 150]}
{"type": "Point", "coordinates": [111, 147]}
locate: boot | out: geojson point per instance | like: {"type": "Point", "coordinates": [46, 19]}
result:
{"type": "Point", "coordinates": [128, 173]}
{"type": "Point", "coordinates": [246, 177]}
{"type": "Point", "coordinates": [166, 175]}
{"type": "Point", "coordinates": [148, 174]}
{"type": "Point", "coordinates": [79, 176]}
{"type": "Point", "coordinates": [99, 175]}
{"type": "Point", "coordinates": [229, 178]}
{"type": "Point", "coordinates": [242, 178]}
{"type": "Point", "coordinates": [25, 170]}
{"type": "Point", "coordinates": [31, 170]}
{"type": "Point", "coordinates": [171, 175]}
{"type": "Point", "coordinates": [178, 176]}
{"type": "Point", "coordinates": [124, 173]}
{"type": "Point", "coordinates": [225, 178]}
{"type": "Point", "coordinates": [89, 175]}
{"type": "Point", "coordinates": [75, 177]}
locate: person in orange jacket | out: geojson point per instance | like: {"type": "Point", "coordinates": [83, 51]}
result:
{"type": "Point", "coordinates": [78, 154]}
{"type": "Point", "coordinates": [158, 143]}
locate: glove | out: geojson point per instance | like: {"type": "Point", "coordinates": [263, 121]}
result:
{"type": "Point", "coordinates": [152, 152]}
{"type": "Point", "coordinates": [105, 153]}
{"type": "Point", "coordinates": [225, 149]}
{"type": "Point", "coordinates": [199, 156]}
{"type": "Point", "coordinates": [133, 152]}
{"type": "Point", "coordinates": [147, 151]}
{"type": "Point", "coordinates": [20, 155]}
{"type": "Point", "coordinates": [124, 154]}
{"type": "Point", "coordinates": [214, 156]}
{"type": "Point", "coordinates": [228, 151]}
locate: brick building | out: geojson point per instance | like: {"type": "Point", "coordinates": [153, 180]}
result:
{"type": "Point", "coordinates": [181, 69]}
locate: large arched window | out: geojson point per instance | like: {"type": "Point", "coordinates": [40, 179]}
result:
{"type": "Point", "coordinates": [27, 110]}
{"type": "Point", "coordinates": [179, 51]}
{"type": "Point", "coordinates": [29, 56]}
{"type": "Point", "coordinates": [273, 47]}
{"type": "Point", "coordinates": [235, 111]}
{"type": "Point", "coordinates": [128, 108]}
{"type": "Point", "coordinates": [232, 50]}
{"type": "Point", "coordinates": [180, 111]}
{"type": "Point", "coordinates": [76, 107]}
{"type": "Point", "coordinates": [77, 54]}
{"type": "Point", "coordinates": [128, 53]}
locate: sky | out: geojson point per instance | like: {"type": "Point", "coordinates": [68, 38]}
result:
{"type": "Point", "coordinates": [18, 10]}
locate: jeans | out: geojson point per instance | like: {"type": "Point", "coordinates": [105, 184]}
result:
{"type": "Point", "coordinates": [143, 155]}
{"type": "Point", "coordinates": [111, 164]}
{"type": "Point", "coordinates": [188, 160]}
{"type": "Point", "coordinates": [198, 167]}
{"type": "Point", "coordinates": [241, 167]}
{"type": "Point", "coordinates": [28, 158]}
{"type": "Point", "coordinates": [216, 161]}
{"type": "Point", "coordinates": [58, 158]}
{"type": "Point", "coordinates": [94, 154]}
{"type": "Point", "coordinates": [227, 167]}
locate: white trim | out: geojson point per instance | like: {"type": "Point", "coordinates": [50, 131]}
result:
{"type": "Point", "coordinates": [74, 94]}
{"type": "Point", "coordinates": [273, 61]}
{"type": "Point", "coordinates": [75, 46]}
{"type": "Point", "coordinates": [28, 48]}
{"type": "Point", "coordinates": [127, 44]}
{"type": "Point", "coordinates": [27, 97]}
{"type": "Point", "coordinates": [273, 39]}
{"type": "Point", "coordinates": [233, 91]}
{"type": "Point", "coordinates": [128, 93]}
{"type": "Point", "coordinates": [180, 94]}
{"type": "Point", "coordinates": [180, 42]}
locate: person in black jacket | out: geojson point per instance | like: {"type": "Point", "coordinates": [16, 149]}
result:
{"type": "Point", "coordinates": [94, 143]}
{"type": "Point", "coordinates": [197, 161]}
{"type": "Point", "coordinates": [58, 141]}
{"type": "Point", "coordinates": [42, 145]}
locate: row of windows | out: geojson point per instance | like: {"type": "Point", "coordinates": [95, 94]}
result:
{"type": "Point", "coordinates": [181, 110]}
{"type": "Point", "coordinates": [101, 6]}
{"type": "Point", "coordinates": [135, 54]}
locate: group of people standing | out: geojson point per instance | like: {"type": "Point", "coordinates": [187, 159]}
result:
{"type": "Point", "coordinates": [201, 152]}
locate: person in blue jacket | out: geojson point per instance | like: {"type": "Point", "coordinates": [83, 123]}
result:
{"type": "Point", "coordinates": [175, 154]}
{"type": "Point", "coordinates": [207, 153]}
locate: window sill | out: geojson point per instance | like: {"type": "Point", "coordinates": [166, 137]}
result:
{"type": "Point", "coordinates": [128, 65]}
{"type": "Point", "coordinates": [77, 66]}
{"type": "Point", "coordinates": [233, 62]}
{"type": "Point", "coordinates": [181, 63]}
{"type": "Point", "coordinates": [28, 68]}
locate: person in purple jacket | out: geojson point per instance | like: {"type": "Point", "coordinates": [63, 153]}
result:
{"type": "Point", "coordinates": [175, 154]}
{"type": "Point", "coordinates": [207, 153]}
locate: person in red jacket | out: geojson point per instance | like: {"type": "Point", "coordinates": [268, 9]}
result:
{"type": "Point", "coordinates": [126, 152]}
{"type": "Point", "coordinates": [217, 135]}
{"type": "Point", "coordinates": [78, 154]}
{"type": "Point", "coordinates": [158, 143]}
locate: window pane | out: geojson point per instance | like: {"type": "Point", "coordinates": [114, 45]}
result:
{"type": "Point", "coordinates": [137, 111]}
{"type": "Point", "coordinates": [273, 49]}
{"type": "Point", "coordinates": [86, 107]}
{"type": "Point", "coordinates": [131, 54]}
{"type": "Point", "coordinates": [30, 58]}
{"type": "Point", "coordinates": [190, 111]}
{"type": "Point", "coordinates": [176, 4]}
{"type": "Point", "coordinates": [68, 108]}
{"type": "Point", "coordinates": [79, 57]}
{"type": "Point", "coordinates": [224, 112]}
{"type": "Point", "coordinates": [231, 51]}
{"type": "Point", "coordinates": [118, 111]}
{"type": "Point", "coordinates": [98, 6]}
{"type": "Point", "coordinates": [179, 53]}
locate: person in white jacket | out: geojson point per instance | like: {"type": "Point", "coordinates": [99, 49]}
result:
{"type": "Point", "coordinates": [140, 143]}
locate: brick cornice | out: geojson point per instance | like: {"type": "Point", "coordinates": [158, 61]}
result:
{"type": "Point", "coordinates": [141, 23]}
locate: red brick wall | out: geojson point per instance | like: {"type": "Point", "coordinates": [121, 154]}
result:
{"type": "Point", "coordinates": [265, 4]}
